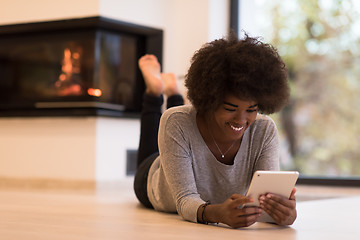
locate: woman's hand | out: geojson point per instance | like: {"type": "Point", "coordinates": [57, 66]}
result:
{"type": "Point", "coordinates": [281, 209]}
{"type": "Point", "coordinates": [230, 213]}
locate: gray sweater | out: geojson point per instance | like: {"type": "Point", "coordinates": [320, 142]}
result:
{"type": "Point", "coordinates": [186, 174]}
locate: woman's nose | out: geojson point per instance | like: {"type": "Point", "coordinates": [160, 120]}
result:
{"type": "Point", "coordinates": [240, 118]}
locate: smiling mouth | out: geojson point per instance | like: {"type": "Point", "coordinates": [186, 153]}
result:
{"type": "Point", "coordinates": [238, 129]}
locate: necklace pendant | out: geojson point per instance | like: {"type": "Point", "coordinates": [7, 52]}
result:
{"type": "Point", "coordinates": [222, 156]}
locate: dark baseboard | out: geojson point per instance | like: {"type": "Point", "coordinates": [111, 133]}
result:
{"type": "Point", "coordinates": [329, 181]}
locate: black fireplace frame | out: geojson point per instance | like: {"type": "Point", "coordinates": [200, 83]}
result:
{"type": "Point", "coordinates": [152, 42]}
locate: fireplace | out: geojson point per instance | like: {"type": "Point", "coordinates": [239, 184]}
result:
{"type": "Point", "coordinates": [84, 66]}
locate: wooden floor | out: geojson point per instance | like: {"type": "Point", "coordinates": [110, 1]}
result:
{"type": "Point", "coordinates": [112, 213]}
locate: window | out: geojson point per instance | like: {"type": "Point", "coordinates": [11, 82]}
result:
{"type": "Point", "coordinates": [319, 41]}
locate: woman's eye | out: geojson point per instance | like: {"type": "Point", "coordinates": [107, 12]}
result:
{"type": "Point", "coordinates": [252, 110]}
{"type": "Point", "coordinates": [230, 109]}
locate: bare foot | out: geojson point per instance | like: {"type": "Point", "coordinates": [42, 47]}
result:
{"type": "Point", "coordinates": [150, 69]}
{"type": "Point", "coordinates": [171, 87]}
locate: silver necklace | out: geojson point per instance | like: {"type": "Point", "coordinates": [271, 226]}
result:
{"type": "Point", "coordinates": [222, 154]}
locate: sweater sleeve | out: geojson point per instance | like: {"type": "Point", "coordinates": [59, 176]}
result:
{"type": "Point", "coordinates": [176, 161]}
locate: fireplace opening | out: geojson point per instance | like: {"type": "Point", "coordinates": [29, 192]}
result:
{"type": "Point", "coordinates": [84, 66]}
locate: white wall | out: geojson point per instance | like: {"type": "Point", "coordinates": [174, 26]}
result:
{"type": "Point", "coordinates": [113, 138]}
{"type": "Point", "coordinates": [57, 148]}
{"type": "Point", "coordinates": [22, 11]}
{"type": "Point", "coordinates": [66, 148]}
{"type": "Point", "coordinates": [95, 148]}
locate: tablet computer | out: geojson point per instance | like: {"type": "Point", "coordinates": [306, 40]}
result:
{"type": "Point", "coordinates": [277, 182]}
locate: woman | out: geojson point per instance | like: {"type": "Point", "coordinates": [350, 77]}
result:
{"type": "Point", "coordinates": [208, 151]}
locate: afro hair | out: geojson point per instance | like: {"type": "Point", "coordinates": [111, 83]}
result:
{"type": "Point", "coordinates": [246, 68]}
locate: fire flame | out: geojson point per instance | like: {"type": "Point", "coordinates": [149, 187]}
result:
{"type": "Point", "coordinates": [68, 81]}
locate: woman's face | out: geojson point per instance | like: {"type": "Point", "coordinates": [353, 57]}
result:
{"type": "Point", "coordinates": [233, 117]}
